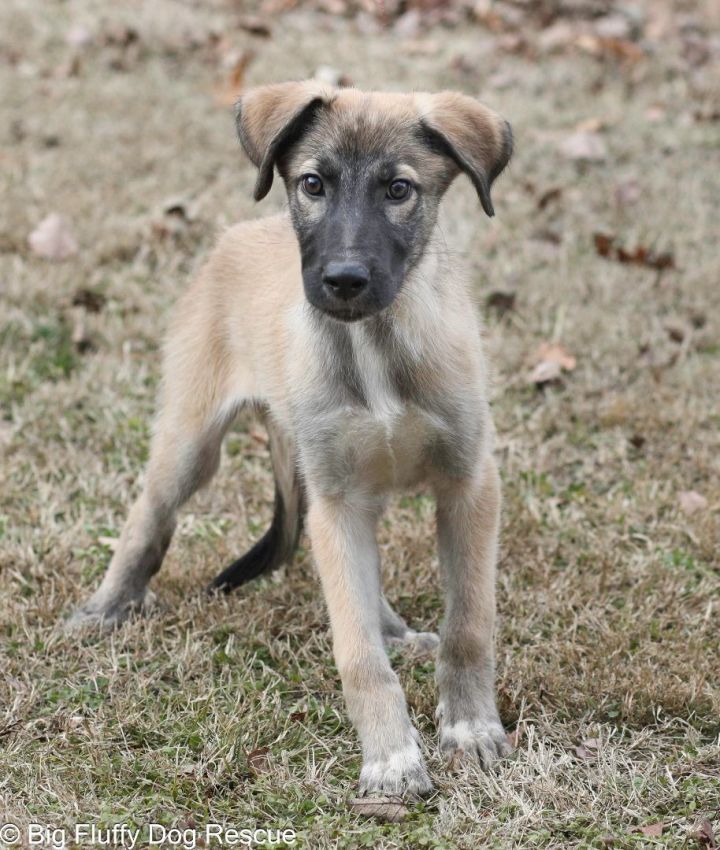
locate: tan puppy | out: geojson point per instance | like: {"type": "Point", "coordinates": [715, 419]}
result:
{"type": "Point", "coordinates": [345, 325]}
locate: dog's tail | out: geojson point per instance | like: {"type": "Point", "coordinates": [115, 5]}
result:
{"type": "Point", "coordinates": [279, 542]}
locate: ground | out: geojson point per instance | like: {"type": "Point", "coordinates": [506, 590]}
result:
{"type": "Point", "coordinates": [117, 117]}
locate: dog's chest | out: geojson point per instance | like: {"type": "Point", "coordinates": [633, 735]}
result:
{"type": "Point", "coordinates": [382, 435]}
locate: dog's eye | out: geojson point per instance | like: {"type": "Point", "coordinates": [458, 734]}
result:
{"type": "Point", "coordinates": [398, 190]}
{"type": "Point", "coordinates": [312, 185]}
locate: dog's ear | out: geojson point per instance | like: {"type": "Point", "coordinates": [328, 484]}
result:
{"type": "Point", "coordinates": [269, 118]}
{"type": "Point", "coordinates": [478, 140]}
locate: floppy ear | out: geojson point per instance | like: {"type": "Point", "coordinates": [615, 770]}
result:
{"type": "Point", "coordinates": [476, 138]}
{"type": "Point", "coordinates": [269, 118]}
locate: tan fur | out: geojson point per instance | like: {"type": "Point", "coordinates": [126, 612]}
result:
{"type": "Point", "coordinates": [242, 333]}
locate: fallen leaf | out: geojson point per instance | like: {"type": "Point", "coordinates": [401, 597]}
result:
{"type": "Point", "coordinates": [258, 760]}
{"type": "Point", "coordinates": [603, 243]}
{"type": "Point", "coordinates": [705, 836]}
{"type": "Point", "coordinates": [53, 238]}
{"type": "Point", "coordinates": [228, 92]}
{"type": "Point", "coordinates": [387, 809]}
{"type": "Point", "coordinates": [584, 146]}
{"type": "Point", "coordinates": [617, 49]}
{"type": "Point", "coordinates": [92, 301]}
{"type": "Point", "coordinates": [591, 125]}
{"type": "Point", "coordinates": [544, 373]}
{"type": "Point", "coordinates": [110, 542]}
{"type": "Point", "coordinates": [653, 830]}
{"type": "Point", "coordinates": [255, 25]}
{"type": "Point", "coordinates": [549, 196]}
{"type": "Point", "coordinates": [502, 302]}
{"type": "Point", "coordinates": [78, 36]}
{"type": "Point", "coordinates": [332, 77]}
{"type": "Point", "coordinates": [676, 331]}
{"type": "Point", "coordinates": [607, 246]}
{"type": "Point", "coordinates": [549, 361]}
{"type": "Point", "coordinates": [691, 502]}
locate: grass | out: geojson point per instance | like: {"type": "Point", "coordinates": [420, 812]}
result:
{"type": "Point", "coordinates": [608, 592]}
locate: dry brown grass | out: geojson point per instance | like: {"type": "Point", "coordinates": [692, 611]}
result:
{"type": "Point", "coordinates": [608, 593]}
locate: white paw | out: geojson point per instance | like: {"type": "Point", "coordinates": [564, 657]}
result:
{"type": "Point", "coordinates": [480, 739]}
{"type": "Point", "coordinates": [401, 773]}
{"type": "Point", "coordinates": [416, 644]}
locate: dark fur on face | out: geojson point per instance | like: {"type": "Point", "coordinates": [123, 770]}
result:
{"type": "Point", "coordinates": [364, 175]}
{"type": "Point", "coordinates": [354, 224]}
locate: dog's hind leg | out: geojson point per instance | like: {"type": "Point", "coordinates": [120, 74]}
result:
{"type": "Point", "coordinates": [198, 406]}
{"type": "Point", "coordinates": [397, 633]}
{"type": "Point", "coordinates": [278, 544]}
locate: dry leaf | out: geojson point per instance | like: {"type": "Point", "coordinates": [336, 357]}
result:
{"type": "Point", "coordinates": [502, 302]}
{"type": "Point", "coordinates": [705, 836]}
{"type": "Point", "coordinates": [607, 246]}
{"type": "Point", "coordinates": [691, 502]}
{"type": "Point", "coordinates": [53, 238]}
{"type": "Point", "coordinates": [92, 301]}
{"type": "Point", "coordinates": [332, 77]}
{"type": "Point", "coordinates": [110, 542]}
{"type": "Point", "coordinates": [550, 360]}
{"type": "Point", "coordinates": [258, 760]}
{"type": "Point", "coordinates": [228, 92]}
{"type": "Point", "coordinates": [653, 830]}
{"type": "Point", "coordinates": [548, 196]}
{"type": "Point", "coordinates": [387, 809]}
{"type": "Point", "coordinates": [584, 146]}
{"type": "Point", "coordinates": [255, 25]}
{"type": "Point", "coordinates": [78, 36]}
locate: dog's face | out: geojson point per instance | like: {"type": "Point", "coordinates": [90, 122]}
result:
{"type": "Point", "coordinates": [364, 175]}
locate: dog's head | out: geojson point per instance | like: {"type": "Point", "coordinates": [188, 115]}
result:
{"type": "Point", "coordinates": [364, 174]}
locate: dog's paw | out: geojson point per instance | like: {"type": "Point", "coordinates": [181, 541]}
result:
{"type": "Point", "coordinates": [401, 773]}
{"type": "Point", "coordinates": [101, 614]}
{"type": "Point", "coordinates": [480, 739]}
{"type": "Point", "coordinates": [416, 644]}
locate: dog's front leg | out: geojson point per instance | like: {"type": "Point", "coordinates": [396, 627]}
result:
{"type": "Point", "coordinates": [347, 557]}
{"type": "Point", "coordinates": [468, 519]}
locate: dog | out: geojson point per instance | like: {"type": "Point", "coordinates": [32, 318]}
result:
{"type": "Point", "coordinates": [345, 325]}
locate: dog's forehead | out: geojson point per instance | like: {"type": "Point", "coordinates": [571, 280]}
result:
{"type": "Point", "coordinates": [374, 124]}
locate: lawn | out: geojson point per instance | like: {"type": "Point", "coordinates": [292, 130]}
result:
{"type": "Point", "coordinates": [606, 244]}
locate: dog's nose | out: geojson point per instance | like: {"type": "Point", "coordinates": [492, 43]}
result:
{"type": "Point", "coordinates": [346, 280]}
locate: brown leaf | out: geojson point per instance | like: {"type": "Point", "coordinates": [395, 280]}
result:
{"type": "Point", "coordinates": [603, 243]}
{"type": "Point", "coordinates": [705, 836]}
{"type": "Point", "coordinates": [258, 760]}
{"type": "Point", "coordinates": [584, 146]}
{"type": "Point", "coordinates": [691, 502]}
{"type": "Point", "coordinates": [616, 49]}
{"type": "Point", "coordinates": [255, 25]}
{"type": "Point", "coordinates": [549, 361]}
{"type": "Point", "coordinates": [228, 92]}
{"type": "Point", "coordinates": [53, 238]}
{"type": "Point", "coordinates": [92, 301]}
{"type": "Point", "coordinates": [387, 809]}
{"type": "Point", "coordinates": [607, 246]}
{"type": "Point", "coordinates": [502, 302]}
{"type": "Point", "coordinates": [653, 830]}
{"type": "Point", "coordinates": [548, 196]}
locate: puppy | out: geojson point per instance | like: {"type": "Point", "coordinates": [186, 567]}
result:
{"type": "Point", "coordinates": [344, 324]}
